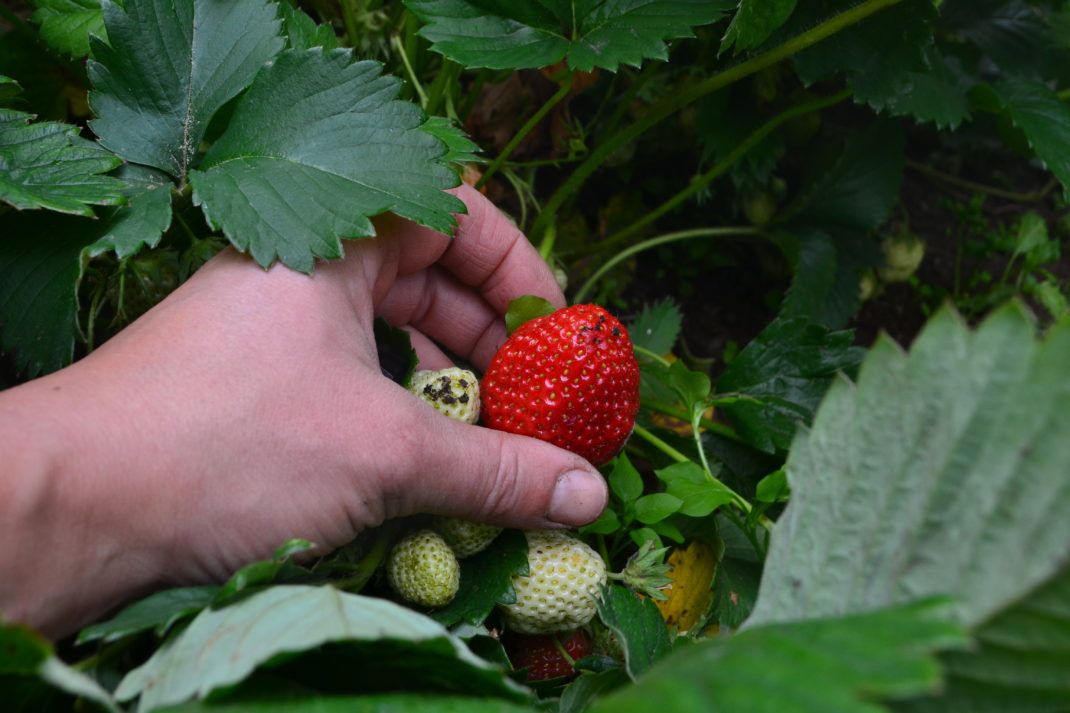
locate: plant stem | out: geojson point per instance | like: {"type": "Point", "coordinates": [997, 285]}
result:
{"type": "Point", "coordinates": [654, 242]}
{"type": "Point", "coordinates": [526, 129]}
{"type": "Point", "coordinates": [710, 425]}
{"type": "Point", "coordinates": [719, 168]}
{"type": "Point", "coordinates": [364, 569]}
{"type": "Point", "coordinates": [440, 87]}
{"type": "Point", "coordinates": [417, 87]}
{"type": "Point", "coordinates": [982, 188]}
{"type": "Point", "coordinates": [656, 357]}
{"type": "Point", "coordinates": [349, 10]}
{"type": "Point", "coordinates": [660, 444]}
{"type": "Point", "coordinates": [670, 104]}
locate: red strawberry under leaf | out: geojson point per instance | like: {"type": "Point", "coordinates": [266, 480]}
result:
{"type": "Point", "coordinates": [541, 655]}
{"type": "Point", "coordinates": [569, 378]}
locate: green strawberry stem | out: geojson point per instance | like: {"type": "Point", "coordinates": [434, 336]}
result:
{"type": "Point", "coordinates": [377, 552]}
{"type": "Point", "coordinates": [720, 429]}
{"type": "Point", "coordinates": [697, 184]}
{"type": "Point", "coordinates": [737, 499]}
{"type": "Point", "coordinates": [561, 650]}
{"type": "Point", "coordinates": [732, 230]}
{"type": "Point", "coordinates": [526, 129]}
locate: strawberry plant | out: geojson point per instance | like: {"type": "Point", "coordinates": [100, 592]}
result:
{"type": "Point", "coordinates": [738, 196]}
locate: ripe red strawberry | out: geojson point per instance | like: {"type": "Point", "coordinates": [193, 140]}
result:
{"type": "Point", "coordinates": [569, 378]}
{"type": "Point", "coordinates": [541, 656]}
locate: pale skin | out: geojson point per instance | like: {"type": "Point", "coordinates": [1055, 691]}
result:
{"type": "Point", "coordinates": [248, 408]}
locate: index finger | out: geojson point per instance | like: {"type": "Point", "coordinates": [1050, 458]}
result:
{"type": "Point", "coordinates": [492, 255]}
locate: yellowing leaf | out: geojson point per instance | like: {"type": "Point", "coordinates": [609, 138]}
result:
{"type": "Point", "coordinates": [690, 594]}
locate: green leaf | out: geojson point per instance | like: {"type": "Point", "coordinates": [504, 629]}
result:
{"type": "Point", "coordinates": [787, 369]}
{"type": "Point", "coordinates": [941, 472]}
{"type": "Point", "coordinates": [169, 65]}
{"type": "Point", "coordinates": [861, 187]}
{"type": "Point", "coordinates": [9, 89]}
{"type": "Point", "coordinates": [143, 218]}
{"type": "Point", "coordinates": [32, 677]}
{"type": "Point", "coordinates": [754, 22]}
{"type": "Point", "coordinates": [67, 24]}
{"type": "Point", "coordinates": [589, 686]}
{"type": "Point", "coordinates": [938, 94]}
{"type": "Point", "coordinates": [302, 32]}
{"type": "Point", "coordinates": [735, 589]}
{"type": "Point", "coordinates": [698, 494]}
{"type": "Point", "coordinates": [459, 148]}
{"type": "Point", "coordinates": [316, 145]}
{"type": "Point", "coordinates": [639, 627]}
{"type": "Point", "coordinates": [256, 574]}
{"type": "Point", "coordinates": [1045, 120]}
{"type": "Point", "coordinates": [46, 165]}
{"type": "Point", "coordinates": [502, 34]}
{"type": "Point", "coordinates": [773, 488]}
{"type": "Point", "coordinates": [381, 703]}
{"type": "Point", "coordinates": [1018, 662]}
{"type": "Point", "coordinates": [159, 612]}
{"type": "Point", "coordinates": [840, 665]}
{"type": "Point", "coordinates": [487, 579]}
{"type": "Point", "coordinates": [1013, 34]}
{"type": "Point", "coordinates": [693, 387]}
{"type": "Point", "coordinates": [656, 506]}
{"type": "Point", "coordinates": [657, 327]}
{"type": "Point", "coordinates": [221, 647]}
{"type": "Point", "coordinates": [524, 309]}
{"type": "Point", "coordinates": [878, 55]}
{"type": "Point", "coordinates": [607, 523]}
{"type": "Point", "coordinates": [38, 288]}
{"type": "Point", "coordinates": [624, 480]}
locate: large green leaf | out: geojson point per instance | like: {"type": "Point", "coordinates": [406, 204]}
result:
{"type": "Point", "coordinates": [840, 665]}
{"type": "Point", "coordinates": [755, 21]}
{"type": "Point", "coordinates": [144, 216]}
{"type": "Point", "coordinates": [1044, 118]}
{"type": "Point", "coordinates": [1019, 662]}
{"type": "Point", "coordinates": [943, 471]}
{"type": "Point", "coordinates": [157, 612]}
{"type": "Point", "coordinates": [504, 34]}
{"type": "Point", "coordinates": [348, 637]}
{"type": "Point", "coordinates": [787, 368]}
{"type": "Point", "coordinates": [46, 165]}
{"type": "Point", "coordinates": [316, 145]}
{"type": "Point", "coordinates": [168, 66]}
{"type": "Point", "coordinates": [40, 268]}
{"type": "Point", "coordinates": [67, 24]}
{"type": "Point", "coordinates": [878, 56]}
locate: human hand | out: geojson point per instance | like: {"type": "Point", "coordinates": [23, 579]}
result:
{"type": "Point", "coordinates": [248, 408]}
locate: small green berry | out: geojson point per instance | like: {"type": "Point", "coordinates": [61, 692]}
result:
{"type": "Point", "coordinates": [422, 569]}
{"type": "Point", "coordinates": [465, 537]}
{"type": "Point", "coordinates": [453, 392]}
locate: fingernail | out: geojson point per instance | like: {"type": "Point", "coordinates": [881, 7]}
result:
{"type": "Point", "coordinates": [579, 498]}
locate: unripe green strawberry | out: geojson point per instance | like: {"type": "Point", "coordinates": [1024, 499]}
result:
{"type": "Point", "coordinates": [423, 570]}
{"type": "Point", "coordinates": [453, 392]}
{"type": "Point", "coordinates": [464, 537]}
{"type": "Point", "coordinates": [570, 378]}
{"type": "Point", "coordinates": [902, 256]}
{"type": "Point", "coordinates": [565, 576]}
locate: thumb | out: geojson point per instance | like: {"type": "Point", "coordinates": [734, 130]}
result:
{"type": "Point", "coordinates": [505, 479]}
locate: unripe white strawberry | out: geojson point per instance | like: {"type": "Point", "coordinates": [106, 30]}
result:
{"type": "Point", "coordinates": [559, 592]}
{"type": "Point", "coordinates": [423, 570]}
{"type": "Point", "coordinates": [453, 392]}
{"type": "Point", "coordinates": [465, 537]}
